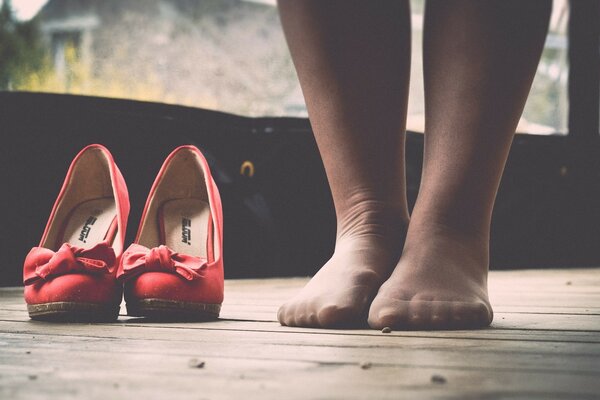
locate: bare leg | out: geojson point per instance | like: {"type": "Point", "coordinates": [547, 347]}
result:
{"type": "Point", "coordinates": [353, 62]}
{"type": "Point", "coordinates": [479, 61]}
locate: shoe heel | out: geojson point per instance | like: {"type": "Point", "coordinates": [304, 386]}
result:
{"type": "Point", "coordinates": [73, 312]}
{"type": "Point", "coordinates": [172, 310]}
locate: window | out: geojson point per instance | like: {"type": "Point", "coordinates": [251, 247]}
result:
{"type": "Point", "coordinates": [227, 55]}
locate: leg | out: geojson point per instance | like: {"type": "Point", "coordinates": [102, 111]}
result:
{"type": "Point", "coordinates": [353, 64]}
{"type": "Point", "coordinates": [479, 61]}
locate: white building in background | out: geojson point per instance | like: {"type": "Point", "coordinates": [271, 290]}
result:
{"type": "Point", "coordinates": [231, 55]}
{"type": "Point", "coordinates": [228, 55]}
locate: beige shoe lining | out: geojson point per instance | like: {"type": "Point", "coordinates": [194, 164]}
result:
{"type": "Point", "coordinates": [90, 222]}
{"type": "Point", "coordinates": [181, 193]}
{"type": "Point", "coordinates": [185, 224]}
{"type": "Point", "coordinates": [88, 193]}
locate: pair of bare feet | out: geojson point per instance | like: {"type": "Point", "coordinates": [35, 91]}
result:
{"type": "Point", "coordinates": [438, 280]}
{"type": "Point", "coordinates": [353, 63]}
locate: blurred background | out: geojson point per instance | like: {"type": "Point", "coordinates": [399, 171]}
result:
{"type": "Point", "coordinates": [217, 74]}
{"type": "Point", "coordinates": [227, 55]}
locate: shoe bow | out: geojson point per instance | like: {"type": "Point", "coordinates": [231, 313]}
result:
{"type": "Point", "coordinates": [139, 259]}
{"type": "Point", "coordinates": [44, 264]}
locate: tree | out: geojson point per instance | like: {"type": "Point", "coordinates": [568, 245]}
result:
{"type": "Point", "coordinates": [21, 51]}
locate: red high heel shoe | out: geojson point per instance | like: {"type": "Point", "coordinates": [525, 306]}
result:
{"type": "Point", "coordinates": [174, 269]}
{"type": "Point", "coordinates": [71, 275]}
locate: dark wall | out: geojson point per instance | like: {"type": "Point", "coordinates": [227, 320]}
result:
{"type": "Point", "coordinates": [279, 222]}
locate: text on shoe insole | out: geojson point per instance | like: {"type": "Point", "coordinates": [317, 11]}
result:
{"type": "Point", "coordinates": [87, 227]}
{"type": "Point", "coordinates": [186, 231]}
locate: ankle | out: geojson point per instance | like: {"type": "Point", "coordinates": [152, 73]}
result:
{"type": "Point", "coordinates": [456, 221]}
{"type": "Point", "coordinates": [367, 217]}
{"type": "Point", "coordinates": [457, 242]}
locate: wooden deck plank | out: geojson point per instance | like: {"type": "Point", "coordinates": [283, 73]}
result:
{"type": "Point", "coordinates": [577, 358]}
{"type": "Point", "coordinates": [544, 343]}
{"type": "Point", "coordinates": [239, 378]}
{"type": "Point", "coordinates": [226, 378]}
{"type": "Point", "coordinates": [274, 328]}
{"type": "Point", "coordinates": [502, 321]}
{"type": "Point", "coordinates": [52, 359]}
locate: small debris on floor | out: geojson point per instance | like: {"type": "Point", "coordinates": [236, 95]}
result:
{"type": "Point", "coordinates": [568, 283]}
{"type": "Point", "coordinates": [28, 352]}
{"type": "Point", "coordinates": [195, 363]}
{"type": "Point", "coordinates": [438, 379]}
{"type": "Point", "coordinates": [32, 377]}
{"type": "Point", "coordinates": [387, 329]}
{"type": "Point", "coordinates": [366, 365]}
{"type": "Point", "coordinates": [116, 385]}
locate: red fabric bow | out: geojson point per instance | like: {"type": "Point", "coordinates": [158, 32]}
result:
{"type": "Point", "coordinates": [139, 259]}
{"type": "Point", "coordinates": [44, 264]}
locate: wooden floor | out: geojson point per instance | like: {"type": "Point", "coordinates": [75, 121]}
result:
{"type": "Point", "coordinates": [544, 344]}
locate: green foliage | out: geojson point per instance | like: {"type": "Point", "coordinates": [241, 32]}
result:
{"type": "Point", "coordinates": [22, 53]}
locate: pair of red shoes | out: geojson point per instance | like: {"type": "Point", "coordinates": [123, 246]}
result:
{"type": "Point", "coordinates": [173, 270]}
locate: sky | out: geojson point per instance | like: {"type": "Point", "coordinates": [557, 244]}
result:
{"type": "Point", "coordinates": [26, 9]}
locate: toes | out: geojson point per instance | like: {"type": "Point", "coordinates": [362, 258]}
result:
{"type": "Point", "coordinates": [285, 315]}
{"type": "Point", "coordinates": [425, 296]}
{"type": "Point", "coordinates": [337, 316]}
{"type": "Point", "coordinates": [306, 314]}
{"type": "Point", "coordinates": [312, 319]}
{"type": "Point", "coordinates": [419, 314]}
{"type": "Point", "coordinates": [389, 310]}
{"type": "Point", "coordinates": [281, 315]}
{"type": "Point", "coordinates": [298, 316]}
{"type": "Point", "coordinates": [466, 315]}
{"type": "Point", "coordinates": [423, 314]}
{"type": "Point", "coordinates": [440, 315]}
{"type": "Point", "coordinates": [389, 313]}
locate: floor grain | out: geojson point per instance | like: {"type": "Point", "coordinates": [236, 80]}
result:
{"type": "Point", "coordinates": [544, 343]}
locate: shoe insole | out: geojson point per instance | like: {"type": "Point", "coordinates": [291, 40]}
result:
{"type": "Point", "coordinates": [185, 224]}
{"type": "Point", "coordinates": [90, 222]}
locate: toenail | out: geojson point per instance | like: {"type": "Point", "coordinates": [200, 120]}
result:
{"type": "Point", "coordinates": [387, 329]}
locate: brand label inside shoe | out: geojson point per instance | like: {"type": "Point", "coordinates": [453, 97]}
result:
{"type": "Point", "coordinates": [186, 231]}
{"type": "Point", "coordinates": [182, 220]}
{"type": "Point", "coordinates": [87, 227]}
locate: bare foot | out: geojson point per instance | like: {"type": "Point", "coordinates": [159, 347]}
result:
{"type": "Point", "coordinates": [340, 293]}
{"type": "Point", "coordinates": [440, 282]}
